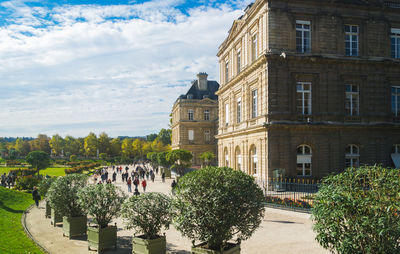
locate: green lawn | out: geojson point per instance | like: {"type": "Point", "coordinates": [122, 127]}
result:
{"type": "Point", "coordinates": [57, 171]}
{"type": "Point", "coordinates": [12, 235]}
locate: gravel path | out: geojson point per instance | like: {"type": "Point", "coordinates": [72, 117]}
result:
{"type": "Point", "coordinates": [280, 232]}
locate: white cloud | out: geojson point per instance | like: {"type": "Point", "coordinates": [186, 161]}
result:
{"type": "Point", "coordinates": [113, 68]}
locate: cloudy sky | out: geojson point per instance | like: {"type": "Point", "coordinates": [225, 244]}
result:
{"type": "Point", "coordinates": [75, 66]}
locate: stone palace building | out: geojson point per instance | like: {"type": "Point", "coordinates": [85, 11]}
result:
{"type": "Point", "coordinates": [195, 119]}
{"type": "Point", "coordinates": [307, 86]}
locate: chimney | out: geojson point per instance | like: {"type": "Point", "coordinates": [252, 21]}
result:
{"type": "Point", "coordinates": [202, 81]}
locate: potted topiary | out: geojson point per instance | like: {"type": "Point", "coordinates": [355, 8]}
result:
{"type": "Point", "coordinates": [212, 205]}
{"type": "Point", "coordinates": [44, 186]}
{"type": "Point", "coordinates": [358, 211]}
{"type": "Point", "coordinates": [103, 202]}
{"type": "Point", "coordinates": [147, 214]}
{"type": "Point", "coordinates": [63, 198]}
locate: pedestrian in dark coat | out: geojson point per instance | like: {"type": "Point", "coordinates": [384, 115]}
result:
{"type": "Point", "coordinates": [36, 196]}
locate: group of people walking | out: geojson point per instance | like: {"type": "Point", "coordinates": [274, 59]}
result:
{"type": "Point", "coordinates": [137, 174]}
{"type": "Point", "coordinates": [8, 180]}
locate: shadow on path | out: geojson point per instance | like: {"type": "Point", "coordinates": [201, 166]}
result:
{"type": "Point", "coordinates": [170, 246]}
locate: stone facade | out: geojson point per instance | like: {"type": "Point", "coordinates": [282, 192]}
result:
{"type": "Point", "coordinates": [195, 119]}
{"type": "Point", "coordinates": [310, 87]}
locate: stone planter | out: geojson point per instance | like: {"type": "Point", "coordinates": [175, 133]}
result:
{"type": "Point", "coordinates": [74, 226]}
{"type": "Point", "coordinates": [149, 246]}
{"type": "Point", "coordinates": [102, 238]}
{"type": "Point", "coordinates": [55, 218]}
{"type": "Point", "coordinates": [48, 210]}
{"type": "Point", "coordinates": [230, 249]}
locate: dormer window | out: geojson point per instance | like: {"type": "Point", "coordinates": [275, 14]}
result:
{"type": "Point", "coordinates": [205, 96]}
{"type": "Point", "coordinates": [190, 96]}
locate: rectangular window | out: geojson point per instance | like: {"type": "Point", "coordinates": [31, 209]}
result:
{"type": "Point", "coordinates": [226, 72]}
{"type": "Point", "coordinates": [191, 135]}
{"type": "Point", "coordinates": [239, 110]}
{"type": "Point", "coordinates": [207, 136]}
{"type": "Point", "coordinates": [351, 40]}
{"type": "Point", "coordinates": [226, 114]}
{"type": "Point", "coordinates": [303, 36]}
{"type": "Point", "coordinates": [352, 100]}
{"type": "Point", "coordinates": [395, 42]}
{"type": "Point", "coordinates": [304, 98]}
{"type": "Point", "coordinates": [254, 103]}
{"type": "Point", "coordinates": [238, 61]}
{"type": "Point", "coordinates": [190, 114]}
{"type": "Point", "coordinates": [254, 48]}
{"type": "Point", "coordinates": [396, 100]}
{"type": "Point", "coordinates": [206, 115]}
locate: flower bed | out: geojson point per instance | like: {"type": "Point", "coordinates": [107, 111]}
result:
{"type": "Point", "coordinates": [288, 202]}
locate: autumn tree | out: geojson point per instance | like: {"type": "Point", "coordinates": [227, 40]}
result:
{"type": "Point", "coordinates": [104, 143]}
{"type": "Point", "coordinates": [57, 144]}
{"type": "Point", "coordinates": [91, 145]}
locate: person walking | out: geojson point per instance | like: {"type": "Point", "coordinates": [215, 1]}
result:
{"type": "Point", "coordinates": [173, 185]}
{"type": "Point", "coordinates": [152, 177]}
{"type": "Point", "coordinates": [114, 177]}
{"type": "Point", "coordinates": [129, 183]}
{"type": "Point", "coordinates": [136, 193]}
{"type": "Point", "coordinates": [36, 196]}
{"type": "Point", "coordinates": [136, 182]}
{"type": "Point", "coordinates": [144, 184]}
{"type": "Point", "coordinates": [163, 177]}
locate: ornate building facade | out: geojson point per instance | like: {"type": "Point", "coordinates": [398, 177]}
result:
{"type": "Point", "coordinates": [311, 87]}
{"type": "Point", "coordinates": [195, 118]}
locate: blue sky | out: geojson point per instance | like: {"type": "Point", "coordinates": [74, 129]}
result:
{"type": "Point", "coordinates": [71, 67]}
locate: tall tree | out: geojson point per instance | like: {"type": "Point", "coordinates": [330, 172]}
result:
{"type": "Point", "coordinates": [137, 146]}
{"type": "Point", "coordinates": [151, 137]}
{"type": "Point", "coordinates": [91, 145]}
{"type": "Point", "coordinates": [104, 143]}
{"type": "Point", "coordinates": [165, 136]}
{"type": "Point", "coordinates": [57, 144]}
{"type": "Point", "coordinates": [127, 148]}
{"type": "Point", "coordinates": [38, 159]}
{"type": "Point", "coordinates": [115, 147]}
{"type": "Point", "coordinates": [41, 143]}
{"type": "Point", "coordinates": [22, 146]}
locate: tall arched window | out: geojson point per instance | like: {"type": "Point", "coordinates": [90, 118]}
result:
{"type": "Point", "coordinates": [304, 155]}
{"type": "Point", "coordinates": [226, 155]}
{"type": "Point", "coordinates": [352, 156]}
{"type": "Point", "coordinates": [253, 160]}
{"type": "Point", "coordinates": [238, 158]}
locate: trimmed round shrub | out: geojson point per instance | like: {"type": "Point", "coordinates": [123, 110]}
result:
{"type": "Point", "coordinates": [214, 204]}
{"type": "Point", "coordinates": [147, 213]}
{"type": "Point", "coordinates": [102, 201]}
{"type": "Point", "coordinates": [27, 182]}
{"type": "Point", "coordinates": [63, 195]}
{"type": "Point", "coordinates": [357, 211]}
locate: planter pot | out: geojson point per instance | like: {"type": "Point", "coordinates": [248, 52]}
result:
{"type": "Point", "coordinates": [55, 217]}
{"type": "Point", "coordinates": [230, 249]}
{"type": "Point", "coordinates": [102, 238]}
{"type": "Point", "coordinates": [149, 246]}
{"type": "Point", "coordinates": [48, 210]}
{"type": "Point", "coordinates": [74, 226]}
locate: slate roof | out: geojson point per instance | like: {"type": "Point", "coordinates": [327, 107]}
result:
{"type": "Point", "coordinates": [212, 87]}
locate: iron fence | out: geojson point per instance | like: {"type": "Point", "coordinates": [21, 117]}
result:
{"type": "Point", "coordinates": [290, 194]}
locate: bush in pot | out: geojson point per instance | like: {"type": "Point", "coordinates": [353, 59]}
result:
{"type": "Point", "coordinates": [44, 186]}
{"type": "Point", "coordinates": [357, 211]}
{"type": "Point", "coordinates": [212, 205]}
{"type": "Point", "coordinates": [147, 214]}
{"type": "Point", "coordinates": [103, 202]}
{"type": "Point", "coordinates": [63, 197]}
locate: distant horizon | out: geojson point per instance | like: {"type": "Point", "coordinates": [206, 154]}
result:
{"type": "Point", "coordinates": [70, 67]}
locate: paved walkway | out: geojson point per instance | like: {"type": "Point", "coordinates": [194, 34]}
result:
{"type": "Point", "coordinates": [281, 232]}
